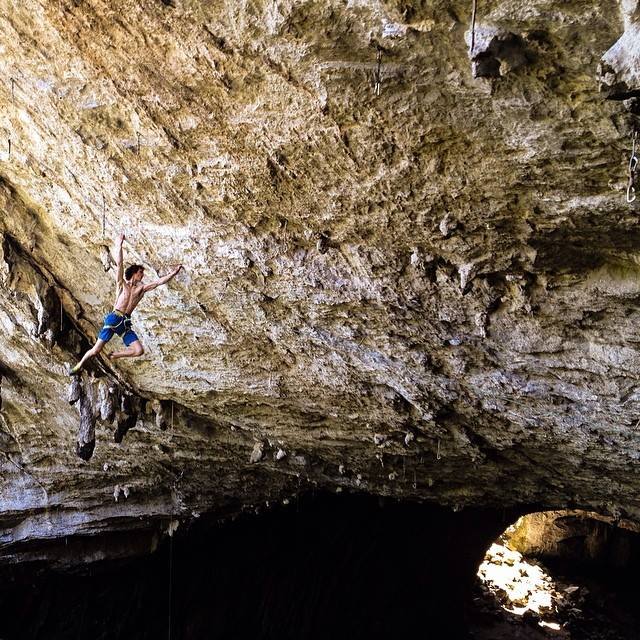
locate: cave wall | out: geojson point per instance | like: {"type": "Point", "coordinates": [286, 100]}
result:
{"type": "Point", "coordinates": [578, 538]}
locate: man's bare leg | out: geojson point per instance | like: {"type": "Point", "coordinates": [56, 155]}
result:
{"type": "Point", "coordinates": [134, 350]}
{"type": "Point", "coordinates": [94, 351]}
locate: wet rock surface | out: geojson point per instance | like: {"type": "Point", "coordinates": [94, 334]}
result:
{"type": "Point", "coordinates": [426, 290]}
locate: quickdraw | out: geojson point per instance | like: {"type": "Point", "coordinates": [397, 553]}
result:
{"type": "Point", "coordinates": [633, 168]}
{"type": "Point", "coordinates": [474, 9]}
{"type": "Point", "coordinates": [378, 73]}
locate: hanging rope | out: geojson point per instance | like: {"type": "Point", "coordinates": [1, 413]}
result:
{"type": "Point", "coordinates": [438, 456]}
{"type": "Point", "coordinates": [170, 583]}
{"type": "Point", "coordinates": [473, 25]}
{"type": "Point", "coordinates": [104, 216]}
{"type": "Point", "coordinates": [633, 168]}
{"type": "Point", "coordinates": [173, 527]}
{"type": "Point", "coordinates": [13, 95]}
{"type": "Point", "coordinates": [9, 147]}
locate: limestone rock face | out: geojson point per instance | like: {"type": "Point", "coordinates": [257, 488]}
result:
{"type": "Point", "coordinates": [578, 536]}
{"type": "Point", "coordinates": [399, 278]}
{"type": "Point", "coordinates": [621, 63]}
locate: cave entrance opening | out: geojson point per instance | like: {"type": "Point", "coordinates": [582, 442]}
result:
{"type": "Point", "coordinates": [560, 574]}
{"type": "Point", "coordinates": [332, 566]}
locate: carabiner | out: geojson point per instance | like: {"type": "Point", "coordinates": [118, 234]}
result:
{"type": "Point", "coordinates": [633, 165]}
{"type": "Point", "coordinates": [631, 193]}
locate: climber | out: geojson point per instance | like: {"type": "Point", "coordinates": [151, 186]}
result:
{"type": "Point", "coordinates": [130, 290]}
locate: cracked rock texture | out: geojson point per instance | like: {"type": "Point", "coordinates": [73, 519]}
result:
{"type": "Point", "coordinates": [578, 536]}
{"type": "Point", "coordinates": [430, 293]}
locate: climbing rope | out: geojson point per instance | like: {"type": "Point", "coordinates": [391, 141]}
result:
{"type": "Point", "coordinates": [174, 492]}
{"type": "Point", "coordinates": [633, 168]}
{"type": "Point", "coordinates": [438, 456]}
{"type": "Point", "coordinates": [170, 583]}
{"type": "Point", "coordinates": [473, 25]}
{"type": "Point", "coordinates": [13, 95]}
{"type": "Point", "coordinates": [104, 216]}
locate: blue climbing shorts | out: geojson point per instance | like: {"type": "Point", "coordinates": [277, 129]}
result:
{"type": "Point", "coordinates": [120, 323]}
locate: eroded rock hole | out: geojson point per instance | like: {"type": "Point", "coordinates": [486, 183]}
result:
{"type": "Point", "coordinates": [560, 574]}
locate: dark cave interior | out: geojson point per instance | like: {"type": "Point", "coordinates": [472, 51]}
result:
{"type": "Point", "coordinates": [323, 566]}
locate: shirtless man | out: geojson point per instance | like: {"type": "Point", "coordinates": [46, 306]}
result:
{"type": "Point", "coordinates": [129, 293]}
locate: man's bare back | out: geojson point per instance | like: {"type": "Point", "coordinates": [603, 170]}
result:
{"type": "Point", "coordinates": [128, 297]}
{"type": "Point", "coordinates": [130, 290]}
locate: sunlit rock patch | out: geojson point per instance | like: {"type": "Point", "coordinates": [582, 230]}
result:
{"type": "Point", "coordinates": [523, 587]}
{"type": "Point", "coordinates": [575, 579]}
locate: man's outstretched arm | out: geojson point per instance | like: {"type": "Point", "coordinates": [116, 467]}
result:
{"type": "Point", "coordinates": [163, 280]}
{"type": "Point", "coordinates": [120, 262]}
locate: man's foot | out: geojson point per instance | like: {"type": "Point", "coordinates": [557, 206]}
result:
{"type": "Point", "coordinates": [74, 371]}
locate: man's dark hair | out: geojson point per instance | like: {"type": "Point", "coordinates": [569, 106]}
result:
{"type": "Point", "coordinates": [131, 270]}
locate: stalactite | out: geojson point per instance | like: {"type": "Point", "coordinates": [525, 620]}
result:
{"type": "Point", "coordinates": [87, 432]}
{"type": "Point", "coordinates": [75, 390]}
{"type": "Point", "coordinates": [127, 416]}
{"type": "Point", "coordinates": [162, 414]}
{"type": "Point", "coordinates": [257, 452]}
{"type": "Point", "coordinates": [107, 400]}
